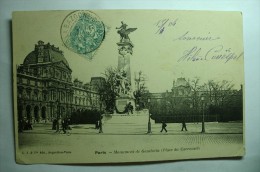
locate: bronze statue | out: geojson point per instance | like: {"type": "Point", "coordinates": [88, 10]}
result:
{"type": "Point", "coordinates": [124, 32]}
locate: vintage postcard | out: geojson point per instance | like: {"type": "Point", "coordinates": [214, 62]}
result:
{"type": "Point", "coordinates": [118, 86]}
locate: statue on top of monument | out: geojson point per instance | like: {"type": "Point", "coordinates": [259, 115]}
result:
{"type": "Point", "coordinates": [124, 32]}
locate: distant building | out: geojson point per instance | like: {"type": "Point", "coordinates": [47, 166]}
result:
{"type": "Point", "coordinates": [183, 90]}
{"type": "Point", "coordinates": [45, 89]}
{"type": "Point", "coordinates": [181, 87]}
{"type": "Point", "coordinates": [97, 83]}
{"type": "Point", "coordinates": [184, 99]}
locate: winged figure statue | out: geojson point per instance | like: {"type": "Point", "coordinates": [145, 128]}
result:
{"type": "Point", "coordinates": [124, 31]}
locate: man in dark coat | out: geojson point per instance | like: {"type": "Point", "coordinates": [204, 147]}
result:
{"type": "Point", "coordinates": [100, 126]}
{"type": "Point", "coordinates": [58, 124]}
{"type": "Point", "coordinates": [164, 125]}
{"type": "Point", "coordinates": [183, 125]}
{"type": "Point", "coordinates": [54, 124]}
{"type": "Point", "coordinates": [64, 124]}
{"type": "Point", "coordinates": [20, 126]}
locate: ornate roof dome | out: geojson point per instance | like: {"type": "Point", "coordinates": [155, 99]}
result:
{"type": "Point", "coordinates": [44, 53]}
{"type": "Point", "coordinates": [181, 82]}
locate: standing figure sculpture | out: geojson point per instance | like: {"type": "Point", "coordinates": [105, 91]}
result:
{"type": "Point", "coordinates": [122, 83]}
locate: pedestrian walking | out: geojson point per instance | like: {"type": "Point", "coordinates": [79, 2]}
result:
{"type": "Point", "coordinates": [64, 125]}
{"type": "Point", "coordinates": [29, 125]}
{"type": "Point", "coordinates": [58, 125]}
{"type": "Point", "coordinates": [68, 124]}
{"type": "Point", "coordinates": [183, 125]}
{"type": "Point", "coordinates": [97, 124]}
{"type": "Point", "coordinates": [100, 126]}
{"type": "Point", "coordinates": [164, 125]}
{"type": "Point", "coordinates": [20, 126]}
{"type": "Point", "coordinates": [54, 124]}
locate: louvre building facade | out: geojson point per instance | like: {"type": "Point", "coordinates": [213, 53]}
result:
{"type": "Point", "coordinates": [45, 89]}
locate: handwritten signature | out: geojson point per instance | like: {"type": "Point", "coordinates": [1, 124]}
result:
{"type": "Point", "coordinates": [163, 24]}
{"type": "Point", "coordinates": [215, 53]}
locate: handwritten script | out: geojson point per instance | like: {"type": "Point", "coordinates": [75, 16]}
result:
{"type": "Point", "coordinates": [163, 24]}
{"type": "Point", "coordinates": [198, 53]}
{"type": "Point", "coordinates": [218, 52]}
{"type": "Point", "coordinates": [187, 36]}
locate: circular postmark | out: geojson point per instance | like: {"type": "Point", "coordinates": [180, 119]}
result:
{"type": "Point", "coordinates": [82, 32]}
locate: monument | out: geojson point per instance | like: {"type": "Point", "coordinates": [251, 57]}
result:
{"type": "Point", "coordinates": [125, 98]}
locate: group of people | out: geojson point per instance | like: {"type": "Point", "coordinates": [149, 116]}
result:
{"type": "Point", "coordinates": [64, 123]}
{"type": "Point", "coordinates": [164, 125]}
{"type": "Point", "coordinates": [59, 124]}
{"type": "Point", "coordinates": [24, 125]}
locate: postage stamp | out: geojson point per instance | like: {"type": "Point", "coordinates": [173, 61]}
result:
{"type": "Point", "coordinates": [82, 32]}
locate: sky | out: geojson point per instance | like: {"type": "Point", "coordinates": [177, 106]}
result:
{"type": "Point", "coordinates": [167, 44]}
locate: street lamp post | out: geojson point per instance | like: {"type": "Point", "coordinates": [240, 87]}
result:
{"type": "Point", "coordinates": [149, 118]}
{"type": "Point", "coordinates": [203, 120]}
{"type": "Point", "coordinates": [191, 114]}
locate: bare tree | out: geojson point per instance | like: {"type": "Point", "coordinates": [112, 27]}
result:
{"type": "Point", "coordinates": [225, 91]}
{"type": "Point", "coordinates": [141, 90]}
{"type": "Point", "coordinates": [218, 91]}
{"type": "Point", "coordinates": [195, 89]}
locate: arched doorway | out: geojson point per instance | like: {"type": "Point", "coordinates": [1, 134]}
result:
{"type": "Point", "coordinates": [36, 114]}
{"type": "Point", "coordinates": [28, 112]}
{"type": "Point", "coordinates": [43, 115]}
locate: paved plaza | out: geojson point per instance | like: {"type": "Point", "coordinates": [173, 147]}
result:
{"type": "Point", "coordinates": [125, 137]}
{"type": "Point", "coordinates": [132, 128]}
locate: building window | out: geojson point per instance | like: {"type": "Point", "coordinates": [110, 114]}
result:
{"type": "Point", "coordinates": [35, 72]}
{"type": "Point", "coordinates": [24, 95]}
{"type": "Point", "coordinates": [54, 96]}
{"type": "Point", "coordinates": [45, 96]}
{"type": "Point", "coordinates": [28, 94]}
{"type": "Point", "coordinates": [62, 96]}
